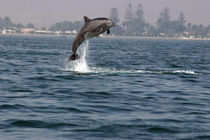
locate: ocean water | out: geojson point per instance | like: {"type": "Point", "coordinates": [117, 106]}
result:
{"type": "Point", "coordinates": [119, 89]}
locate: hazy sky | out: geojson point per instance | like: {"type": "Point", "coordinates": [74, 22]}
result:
{"type": "Point", "coordinates": [47, 12]}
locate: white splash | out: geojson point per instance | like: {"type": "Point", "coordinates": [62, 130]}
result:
{"type": "Point", "coordinates": [113, 70]}
{"type": "Point", "coordinates": [108, 70]}
{"type": "Point", "coordinates": [80, 65]}
{"type": "Point", "coordinates": [184, 71]}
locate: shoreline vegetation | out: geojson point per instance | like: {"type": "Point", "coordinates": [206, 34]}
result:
{"type": "Point", "coordinates": [132, 26]}
{"type": "Point", "coordinates": [109, 37]}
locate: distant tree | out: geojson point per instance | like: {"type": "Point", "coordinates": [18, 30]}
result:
{"type": "Point", "coordinates": [201, 31]}
{"type": "Point", "coordinates": [30, 25]}
{"type": "Point", "coordinates": [134, 24]}
{"type": "Point", "coordinates": [129, 18]}
{"type": "Point", "coordinates": [66, 26]}
{"type": "Point", "coordinates": [181, 19]}
{"type": "Point", "coordinates": [62, 26]}
{"type": "Point", "coordinates": [19, 25]}
{"type": "Point", "coordinates": [1, 27]}
{"type": "Point", "coordinates": [194, 28]}
{"type": "Point", "coordinates": [173, 29]}
{"type": "Point", "coordinates": [181, 23]}
{"type": "Point", "coordinates": [140, 13]}
{"type": "Point", "coordinates": [150, 30]}
{"type": "Point", "coordinates": [6, 22]}
{"type": "Point", "coordinates": [198, 30]}
{"type": "Point", "coordinates": [163, 22]}
{"type": "Point", "coordinates": [208, 28]}
{"type": "Point", "coordinates": [117, 30]}
{"type": "Point", "coordinates": [139, 20]}
{"type": "Point", "coordinates": [189, 25]}
{"type": "Point", "coordinates": [77, 25]}
{"type": "Point", "coordinates": [114, 15]}
{"type": "Point", "coordinates": [56, 27]}
{"type": "Point", "coordinates": [44, 28]}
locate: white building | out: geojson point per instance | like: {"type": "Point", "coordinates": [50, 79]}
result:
{"type": "Point", "coordinates": [9, 31]}
{"type": "Point", "coordinates": [44, 32]}
{"type": "Point", "coordinates": [27, 30]}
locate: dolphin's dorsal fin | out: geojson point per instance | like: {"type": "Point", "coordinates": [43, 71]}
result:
{"type": "Point", "coordinates": [86, 19]}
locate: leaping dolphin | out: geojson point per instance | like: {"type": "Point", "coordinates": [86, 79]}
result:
{"type": "Point", "coordinates": [92, 28]}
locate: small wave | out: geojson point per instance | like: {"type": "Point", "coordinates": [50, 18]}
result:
{"type": "Point", "coordinates": [112, 70]}
{"type": "Point", "coordinates": [8, 106]}
{"type": "Point", "coordinates": [184, 71]}
{"type": "Point", "coordinates": [40, 124]}
{"type": "Point", "coordinates": [204, 136]}
{"type": "Point", "coordinates": [102, 70]}
{"type": "Point", "coordinates": [121, 71]}
{"type": "Point", "coordinates": [161, 129]}
{"type": "Point", "coordinates": [177, 71]}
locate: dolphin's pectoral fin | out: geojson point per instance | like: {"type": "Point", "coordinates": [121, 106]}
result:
{"type": "Point", "coordinates": [101, 31]}
{"type": "Point", "coordinates": [108, 31]}
{"type": "Point", "coordinates": [86, 36]}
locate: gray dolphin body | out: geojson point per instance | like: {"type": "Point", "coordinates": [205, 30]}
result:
{"type": "Point", "coordinates": [92, 28]}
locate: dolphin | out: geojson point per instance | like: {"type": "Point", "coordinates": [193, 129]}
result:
{"type": "Point", "coordinates": [92, 28]}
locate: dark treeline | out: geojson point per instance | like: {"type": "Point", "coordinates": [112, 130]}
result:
{"type": "Point", "coordinates": [6, 23]}
{"type": "Point", "coordinates": [134, 24]}
{"type": "Point", "coordinates": [66, 26]}
{"type": "Point", "coordinates": [59, 26]}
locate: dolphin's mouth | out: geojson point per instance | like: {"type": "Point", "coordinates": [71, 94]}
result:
{"type": "Point", "coordinates": [111, 24]}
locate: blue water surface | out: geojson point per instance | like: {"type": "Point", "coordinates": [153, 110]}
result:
{"type": "Point", "coordinates": [126, 89]}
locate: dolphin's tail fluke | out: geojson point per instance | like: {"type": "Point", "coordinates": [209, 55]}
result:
{"type": "Point", "coordinates": [74, 56]}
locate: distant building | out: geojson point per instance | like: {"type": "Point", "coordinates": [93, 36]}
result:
{"type": "Point", "coordinates": [58, 32]}
{"type": "Point", "coordinates": [68, 32]}
{"type": "Point", "coordinates": [9, 31]}
{"type": "Point", "coordinates": [44, 32]}
{"type": "Point", "coordinates": [162, 34]}
{"type": "Point", "coordinates": [28, 30]}
{"type": "Point", "coordinates": [74, 32]}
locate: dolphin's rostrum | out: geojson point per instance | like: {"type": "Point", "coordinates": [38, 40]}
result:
{"type": "Point", "coordinates": [92, 28]}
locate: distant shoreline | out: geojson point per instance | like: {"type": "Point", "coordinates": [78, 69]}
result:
{"type": "Point", "coordinates": [38, 35]}
{"type": "Point", "coordinates": [155, 38]}
{"type": "Point", "coordinates": [111, 36]}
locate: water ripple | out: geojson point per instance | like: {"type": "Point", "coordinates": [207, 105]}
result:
{"type": "Point", "coordinates": [120, 89]}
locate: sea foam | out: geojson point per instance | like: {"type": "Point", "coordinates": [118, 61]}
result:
{"type": "Point", "coordinates": [80, 65]}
